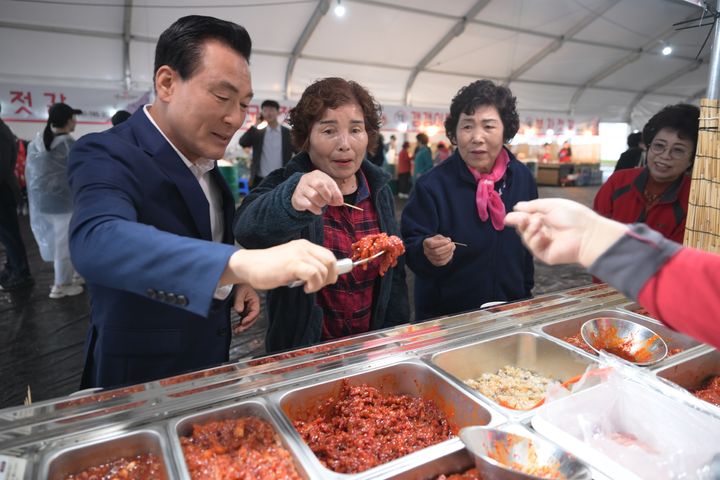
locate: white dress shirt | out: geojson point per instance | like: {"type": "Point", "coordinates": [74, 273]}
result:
{"type": "Point", "coordinates": [201, 170]}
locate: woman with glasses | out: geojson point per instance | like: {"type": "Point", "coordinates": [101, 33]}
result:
{"type": "Point", "coordinates": [658, 193]}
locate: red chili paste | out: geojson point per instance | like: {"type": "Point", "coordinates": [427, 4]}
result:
{"type": "Point", "coordinates": [140, 467]}
{"type": "Point", "coordinates": [244, 447]}
{"type": "Point", "coordinates": [710, 391]}
{"type": "Point", "coordinates": [363, 428]}
{"type": "Point", "coordinates": [472, 474]}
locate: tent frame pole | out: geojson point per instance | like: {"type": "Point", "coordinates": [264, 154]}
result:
{"type": "Point", "coordinates": [714, 78]}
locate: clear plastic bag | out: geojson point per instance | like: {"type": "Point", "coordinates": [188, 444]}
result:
{"type": "Point", "coordinates": [634, 426]}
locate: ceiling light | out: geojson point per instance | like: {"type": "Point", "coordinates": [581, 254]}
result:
{"type": "Point", "coordinates": [339, 9]}
{"type": "Point", "coordinates": [550, 132]}
{"type": "Point", "coordinates": [667, 50]}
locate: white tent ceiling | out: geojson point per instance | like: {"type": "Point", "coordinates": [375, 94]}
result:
{"type": "Point", "coordinates": [586, 58]}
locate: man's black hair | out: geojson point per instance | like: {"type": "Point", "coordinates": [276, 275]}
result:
{"type": "Point", "coordinates": [634, 139]}
{"type": "Point", "coordinates": [270, 103]}
{"type": "Point", "coordinates": [180, 46]}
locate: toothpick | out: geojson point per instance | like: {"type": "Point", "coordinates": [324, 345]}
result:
{"type": "Point", "coordinates": [353, 207]}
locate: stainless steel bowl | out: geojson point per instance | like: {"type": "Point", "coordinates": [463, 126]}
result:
{"type": "Point", "coordinates": [502, 455]}
{"type": "Point", "coordinates": [620, 337]}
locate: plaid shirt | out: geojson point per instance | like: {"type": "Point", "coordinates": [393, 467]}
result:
{"type": "Point", "coordinates": [347, 304]}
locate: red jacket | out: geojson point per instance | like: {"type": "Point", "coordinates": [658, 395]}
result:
{"type": "Point", "coordinates": [678, 286]}
{"type": "Point", "coordinates": [684, 294]}
{"type": "Point", "coordinates": [621, 198]}
{"type": "Point", "coordinates": [403, 162]}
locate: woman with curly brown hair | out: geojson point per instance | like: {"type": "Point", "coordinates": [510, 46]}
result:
{"type": "Point", "coordinates": [464, 200]}
{"type": "Point", "coordinates": [333, 126]}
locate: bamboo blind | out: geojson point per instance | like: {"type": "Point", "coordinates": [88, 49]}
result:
{"type": "Point", "coordinates": [702, 229]}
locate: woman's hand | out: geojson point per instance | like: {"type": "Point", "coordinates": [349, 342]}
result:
{"type": "Point", "coordinates": [439, 250]}
{"type": "Point", "coordinates": [277, 266]}
{"type": "Point", "coordinates": [314, 191]}
{"type": "Point", "coordinates": [562, 231]}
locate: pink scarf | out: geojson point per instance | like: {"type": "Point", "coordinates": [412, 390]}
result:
{"type": "Point", "coordinates": [486, 198]}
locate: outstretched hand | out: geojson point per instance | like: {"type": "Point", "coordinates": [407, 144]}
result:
{"type": "Point", "coordinates": [562, 231]}
{"type": "Point", "coordinates": [277, 266]}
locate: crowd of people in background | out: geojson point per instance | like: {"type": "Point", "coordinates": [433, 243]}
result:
{"type": "Point", "coordinates": [153, 222]}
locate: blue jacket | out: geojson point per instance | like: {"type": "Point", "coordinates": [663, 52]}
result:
{"type": "Point", "coordinates": [140, 235]}
{"type": "Point", "coordinates": [494, 266]}
{"type": "Point", "coordinates": [266, 218]}
{"type": "Point", "coordinates": [423, 161]}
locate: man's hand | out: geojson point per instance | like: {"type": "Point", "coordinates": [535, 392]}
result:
{"type": "Point", "coordinates": [439, 250]}
{"type": "Point", "coordinates": [247, 304]}
{"type": "Point", "coordinates": [562, 231]}
{"type": "Point", "coordinates": [277, 266]}
{"type": "Point", "coordinates": [314, 191]}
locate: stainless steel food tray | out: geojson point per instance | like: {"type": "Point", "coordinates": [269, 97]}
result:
{"type": "Point", "coordinates": [411, 377]}
{"type": "Point", "coordinates": [691, 373]}
{"type": "Point", "coordinates": [560, 329]}
{"type": "Point", "coordinates": [183, 426]}
{"type": "Point", "coordinates": [525, 349]}
{"type": "Point", "coordinates": [67, 459]}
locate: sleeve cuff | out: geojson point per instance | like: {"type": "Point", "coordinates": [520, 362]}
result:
{"type": "Point", "coordinates": [630, 262]}
{"type": "Point", "coordinates": [222, 292]}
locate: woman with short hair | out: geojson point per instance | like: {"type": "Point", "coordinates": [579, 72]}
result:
{"type": "Point", "coordinates": [464, 200]}
{"type": "Point", "coordinates": [658, 193]}
{"type": "Point", "coordinates": [333, 126]}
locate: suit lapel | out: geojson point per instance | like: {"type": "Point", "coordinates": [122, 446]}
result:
{"type": "Point", "coordinates": [168, 160]}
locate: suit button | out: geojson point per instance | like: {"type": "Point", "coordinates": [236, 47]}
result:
{"type": "Point", "coordinates": [182, 300]}
{"type": "Point", "coordinates": [171, 298]}
{"type": "Point", "coordinates": [152, 293]}
{"type": "Point", "coordinates": [161, 296]}
{"type": "Point", "coordinates": [221, 332]}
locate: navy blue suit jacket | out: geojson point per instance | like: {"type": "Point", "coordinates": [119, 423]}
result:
{"type": "Point", "coordinates": [495, 265]}
{"type": "Point", "coordinates": [140, 235]}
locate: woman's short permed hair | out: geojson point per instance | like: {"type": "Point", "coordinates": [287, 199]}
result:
{"type": "Point", "coordinates": [682, 118]}
{"type": "Point", "coordinates": [333, 92]}
{"type": "Point", "coordinates": [480, 93]}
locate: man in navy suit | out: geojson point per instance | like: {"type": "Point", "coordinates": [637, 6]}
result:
{"type": "Point", "coordinates": [151, 232]}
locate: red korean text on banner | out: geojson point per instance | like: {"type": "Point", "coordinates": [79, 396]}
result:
{"type": "Point", "coordinates": [21, 101]}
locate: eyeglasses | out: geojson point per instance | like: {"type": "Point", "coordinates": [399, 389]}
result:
{"type": "Point", "coordinates": [676, 153]}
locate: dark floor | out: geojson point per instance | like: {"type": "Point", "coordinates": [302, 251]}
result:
{"type": "Point", "coordinates": [41, 344]}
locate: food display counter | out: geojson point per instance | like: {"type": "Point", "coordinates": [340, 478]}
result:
{"type": "Point", "coordinates": [293, 403]}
